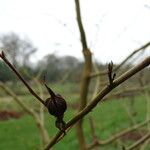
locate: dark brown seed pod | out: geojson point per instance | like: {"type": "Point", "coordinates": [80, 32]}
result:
{"type": "Point", "coordinates": [56, 104]}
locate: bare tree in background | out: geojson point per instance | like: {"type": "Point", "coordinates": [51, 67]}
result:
{"type": "Point", "coordinates": [19, 50]}
{"type": "Point", "coordinates": [86, 107]}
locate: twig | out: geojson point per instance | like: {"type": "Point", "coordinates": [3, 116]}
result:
{"type": "Point", "coordinates": [111, 75]}
{"type": "Point", "coordinates": [91, 122]}
{"type": "Point", "coordinates": [120, 134]}
{"type": "Point", "coordinates": [145, 144]}
{"type": "Point", "coordinates": [80, 25]}
{"type": "Point", "coordinates": [2, 55]}
{"type": "Point", "coordinates": [99, 97]}
{"type": "Point", "coordinates": [123, 62]}
{"type": "Point", "coordinates": [20, 103]}
{"type": "Point", "coordinates": [143, 47]}
{"type": "Point", "coordinates": [139, 142]}
{"type": "Point", "coordinates": [85, 76]}
{"type": "Point", "coordinates": [127, 92]}
{"type": "Point", "coordinates": [30, 111]}
{"type": "Point", "coordinates": [146, 95]}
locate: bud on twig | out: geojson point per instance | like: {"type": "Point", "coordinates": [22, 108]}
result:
{"type": "Point", "coordinates": [111, 75]}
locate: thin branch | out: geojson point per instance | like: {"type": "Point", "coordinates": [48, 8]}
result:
{"type": "Point", "coordinates": [123, 62]}
{"type": "Point", "coordinates": [85, 76]}
{"type": "Point", "coordinates": [127, 92]}
{"type": "Point", "coordinates": [80, 25]}
{"type": "Point", "coordinates": [93, 133]}
{"type": "Point", "coordinates": [2, 55]}
{"type": "Point", "coordinates": [145, 144]}
{"type": "Point", "coordinates": [139, 142]}
{"type": "Point", "coordinates": [30, 111]}
{"type": "Point", "coordinates": [143, 47]}
{"type": "Point", "coordinates": [21, 104]}
{"type": "Point", "coordinates": [120, 134]}
{"type": "Point", "coordinates": [99, 97]}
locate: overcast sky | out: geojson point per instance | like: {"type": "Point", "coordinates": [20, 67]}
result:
{"type": "Point", "coordinates": [114, 28]}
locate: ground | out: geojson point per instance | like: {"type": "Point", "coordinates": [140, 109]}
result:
{"type": "Point", "coordinates": [18, 130]}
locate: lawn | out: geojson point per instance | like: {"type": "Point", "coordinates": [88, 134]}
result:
{"type": "Point", "coordinates": [109, 118]}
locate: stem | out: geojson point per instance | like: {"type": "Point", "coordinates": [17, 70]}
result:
{"type": "Point", "coordinates": [99, 97]}
{"type": "Point", "coordinates": [2, 55]}
{"type": "Point", "coordinates": [85, 76]}
{"type": "Point", "coordinates": [52, 94]}
{"type": "Point", "coordinates": [139, 142]}
{"type": "Point", "coordinates": [120, 134]}
{"type": "Point", "coordinates": [80, 25]}
{"type": "Point", "coordinates": [27, 109]}
{"type": "Point", "coordinates": [30, 111]}
{"type": "Point", "coordinates": [143, 47]}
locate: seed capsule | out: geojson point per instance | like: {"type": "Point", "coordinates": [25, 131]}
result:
{"type": "Point", "coordinates": [56, 104]}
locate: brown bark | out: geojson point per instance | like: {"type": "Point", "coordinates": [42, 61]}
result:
{"type": "Point", "coordinates": [92, 104]}
{"type": "Point", "coordinates": [83, 95]}
{"type": "Point", "coordinates": [85, 76]}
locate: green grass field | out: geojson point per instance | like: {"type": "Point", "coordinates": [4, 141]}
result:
{"type": "Point", "coordinates": [109, 117]}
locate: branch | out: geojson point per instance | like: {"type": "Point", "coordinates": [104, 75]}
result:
{"type": "Point", "coordinates": [139, 142]}
{"type": "Point", "coordinates": [93, 133]}
{"type": "Point", "coordinates": [80, 25]}
{"type": "Point", "coordinates": [132, 54]}
{"type": "Point", "coordinates": [30, 111]}
{"type": "Point", "coordinates": [127, 93]}
{"type": "Point", "coordinates": [2, 55]}
{"type": "Point", "coordinates": [99, 97]}
{"type": "Point", "coordinates": [123, 62]}
{"type": "Point", "coordinates": [20, 103]}
{"type": "Point", "coordinates": [85, 76]}
{"type": "Point", "coordinates": [120, 134]}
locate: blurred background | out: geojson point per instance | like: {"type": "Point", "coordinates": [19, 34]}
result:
{"type": "Point", "coordinates": [41, 38]}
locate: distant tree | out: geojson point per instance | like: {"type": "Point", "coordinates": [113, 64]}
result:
{"type": "Point", "coordinates": [68, 62]}
{"type": "Point", "coordinates": [55, 67]}
{"type": "Point", "coordinates": [49, 65]}
{"type": "Point", "coordinates": [19, 50]}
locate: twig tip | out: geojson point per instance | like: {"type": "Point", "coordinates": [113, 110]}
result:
{"type": "Point", "coordinates": [2, 55]}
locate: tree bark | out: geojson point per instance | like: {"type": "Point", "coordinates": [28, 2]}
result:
{"type": "Point", "coordinates": [85, 76]}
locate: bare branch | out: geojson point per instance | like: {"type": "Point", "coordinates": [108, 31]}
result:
{"type": "Point", "coordinates": [2, 55]}
{"type": "Point", "coordinates": [93, 133]}
{"type": "Point", "coordinates": [22, 105]}
{"type": "Point", "coordinates": [30, 111]}
{"type": "Point", "coordinates": [126, 93]}
{"type": "Point", "coordinates": [143, 47]}
{"type": "Point", "coordinates": [120, 134]}
{"type": "Point", "coordinates": [80, 25]}
{"type": "Point", "coordinates": [139, 142]}
{"type": "Point", "coordinates": [123, 62]}
{"type": "Point", "coordinates": [99, 98]}
{"type": "Point", "coordinates": [85, 76]}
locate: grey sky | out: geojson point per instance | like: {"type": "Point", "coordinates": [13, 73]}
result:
{"type": "Point", "coordinates": [114, 28]}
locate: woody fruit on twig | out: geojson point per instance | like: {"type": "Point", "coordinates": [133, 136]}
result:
{"type": "Point", "coordinates": [56, 106]}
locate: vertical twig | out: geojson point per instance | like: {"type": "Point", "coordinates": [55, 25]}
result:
{"type": "Point", "coordinates": [85, 76]}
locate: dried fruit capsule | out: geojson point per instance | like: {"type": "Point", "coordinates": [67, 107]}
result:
{"type": "Point", "coordinates": [56, 106]}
